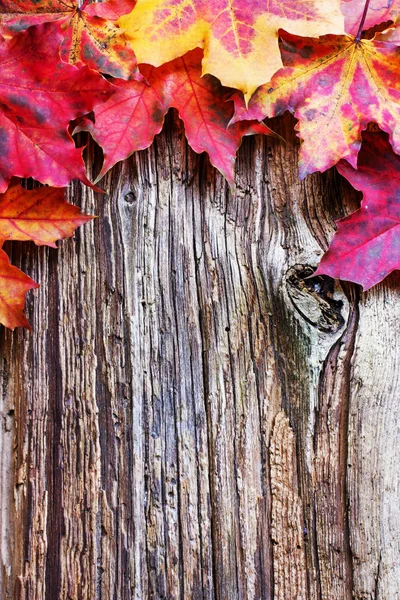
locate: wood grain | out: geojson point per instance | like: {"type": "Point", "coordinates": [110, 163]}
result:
{"type": "Point", "coordinates": [193, 417]}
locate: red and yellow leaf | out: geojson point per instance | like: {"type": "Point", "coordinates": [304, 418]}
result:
{"type": "Point", "coordinates": [129, 120]}
{"type": "Point", "coordinates": [40, 215]}
{"type": "Point", "coordinates": [39, 95]}
{"type": "Point", "coordinates": [239, 37]}
{"type": "Point", "coordinates": [366, 246]}
{"type": "Point", "coordinates": [90, 36]}
{"type": "Point", "coordinates": [334, 86]}
{"type": "Point", "coordinates": [13, 286]}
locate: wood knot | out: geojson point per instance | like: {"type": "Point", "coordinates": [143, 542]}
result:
{"type": "Point", "coordinates": [313, 298]}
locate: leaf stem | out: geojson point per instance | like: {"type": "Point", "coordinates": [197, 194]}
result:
{"type": "Point", "coordinates": [364, 15]}
{"type": "Point", "coordinates": [86, 2]}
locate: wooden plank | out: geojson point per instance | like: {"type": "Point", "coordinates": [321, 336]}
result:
{"type": "Point", "coordinates": [191, 417]}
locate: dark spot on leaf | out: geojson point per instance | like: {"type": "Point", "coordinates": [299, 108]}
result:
{"type": "Point", "coordinates": [310, 114]}
{"type": "Point", "coordinates": [18, 101]}
{"type": "Point", "coordinates": [88, 52]}
{"type": "Point", "coordinates": [114, 71]}
{"type": "Point", "coordinates": [325, 81]}
{"type": "Point", "coordinates": [288, 46]}
{"type": "Point", "coordinates": [306, 51]}
{"type": "Point", "coordinates": [4, 147]}
{"type": "Point", "coordinates": [280, 107]}
{"type": "Point", "coordinates": [40, 116]}
{"type": "Point", "coordinates": [64, 135]}
{"type": "Point", "coordinates": [76, 105]}
{"type": "Point", "coordinates": [20, 25]}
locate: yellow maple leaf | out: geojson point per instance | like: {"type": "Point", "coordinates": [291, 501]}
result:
{"type": "Point", "coordinates": [239, 37]}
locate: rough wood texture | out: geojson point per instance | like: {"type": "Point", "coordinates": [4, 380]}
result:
{"type": "Point", "coordinates": [193, 418]}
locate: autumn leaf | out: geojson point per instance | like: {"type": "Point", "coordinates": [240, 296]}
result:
{"type": "Point", "coordinates": [129, 120]}
{"type": "Point", "coordinates": [127, 123]}
{"type": "Point", "coordinates": [40, 215]}
{"type": "Point", "coordinates": [39, 95]}
{"type": "Point", "coordinates": [366, 246]}
{"type": "Point", "coordinates": [379, 11]}
{"type": "Point", "coordinates": [334, 86]}
{"type": "Point", "coordinates": [90, 35]}
{"type": "Point", "coordinates": [13, 286]}
{"type": "Point", "coordinates": [239, 37]}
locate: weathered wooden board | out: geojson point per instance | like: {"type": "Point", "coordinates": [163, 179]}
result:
{"type": "Point", "coordinates": [191, 417]}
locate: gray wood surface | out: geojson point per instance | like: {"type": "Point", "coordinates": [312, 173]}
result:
{"type": "Point", "coordinates": [191, 417]}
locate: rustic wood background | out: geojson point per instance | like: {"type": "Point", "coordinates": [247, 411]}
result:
{"type": "Point", "coordinates": [191, 417]}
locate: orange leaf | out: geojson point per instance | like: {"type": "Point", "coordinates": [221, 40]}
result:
{"type": "Point", "coordinates": [40, 215]}
{"type": "Point", "coordinates": [13, 286]}
{"type": "Point", "coordinates": [239, 37]}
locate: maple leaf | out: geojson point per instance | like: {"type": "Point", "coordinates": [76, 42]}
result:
{"type": "Point", "coordinates": [378, 12]}
{"type": "Point", "coordinates": [39, 95]}
{"type": "Point", "coordinates": [239, 37]}
{"type": "Point", "coordinates": [13, 286]}
{"type": "Point", "coordinates": [129, 120]}
{"type": "Point", "coordinates": [366, 246]}
{"type": "Point", "coordinates": [40, 215]}
{"type": "Point", "coordinates": [90, 35]}
{"type": "Point", "coordinates": [336, 86]}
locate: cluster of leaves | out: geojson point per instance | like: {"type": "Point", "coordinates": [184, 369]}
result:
{"type": "Point", "coordinates": [115, 68]}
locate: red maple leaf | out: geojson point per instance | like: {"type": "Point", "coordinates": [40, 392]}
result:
{"type": "Point", "coordinates": [39, 95]}
{"type": "Point", "coordinates": [366, 246]}
{"type": "Point", "coordinates": [334, 86]}
{"type": "Point", "coordinates": [129, 120]}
